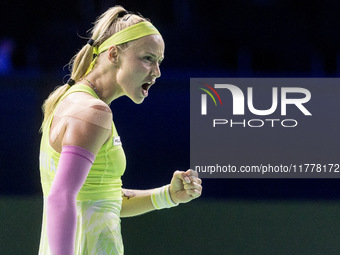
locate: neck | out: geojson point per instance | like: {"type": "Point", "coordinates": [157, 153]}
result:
{"type": "Point", "coordinates": [106, 89]}
{"type": "Point", "coordinates": [92, 86]}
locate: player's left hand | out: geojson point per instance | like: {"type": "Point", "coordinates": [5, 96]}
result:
{"type": "Point", "coordinates": [185, 186]}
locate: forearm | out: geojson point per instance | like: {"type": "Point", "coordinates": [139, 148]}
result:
{"type": "Point", "coordinates": [184, 187]}
{"type": "Point", "coordinates": [61, 224]}
{"type": "Point", "coordinates": [136, 202]}
{"type": "Point", "coordinates": [74, 165]}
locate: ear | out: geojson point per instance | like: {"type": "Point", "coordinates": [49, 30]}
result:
{"type": "Point", "coordinates": [113, 54]}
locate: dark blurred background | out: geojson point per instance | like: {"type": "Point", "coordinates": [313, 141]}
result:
{"type": "Point", "coordinates": [235, 38]}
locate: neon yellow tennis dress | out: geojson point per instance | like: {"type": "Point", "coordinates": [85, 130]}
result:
{"type": "Point", "coordinates": [100, 198]}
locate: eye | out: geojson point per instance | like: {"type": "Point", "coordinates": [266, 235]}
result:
{"type": "Point", "coordinates": [148, 58]}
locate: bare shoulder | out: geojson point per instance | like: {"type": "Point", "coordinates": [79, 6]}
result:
{"type": "Point", "coordinates": [82, 98]}
{"type": "Point", "coordinates": [100, 105]}
{"type": "Point", "coordinates": [89, 122]}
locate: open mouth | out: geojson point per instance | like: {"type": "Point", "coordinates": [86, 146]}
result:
{"type": "Point", "coordinates": [145, 88]}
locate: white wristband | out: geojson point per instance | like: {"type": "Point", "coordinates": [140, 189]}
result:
{"type": "Point", "coordinates": [160, 198]}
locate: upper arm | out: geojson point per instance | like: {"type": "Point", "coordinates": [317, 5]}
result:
{"type": "Point", "coordinates": [89, 128]}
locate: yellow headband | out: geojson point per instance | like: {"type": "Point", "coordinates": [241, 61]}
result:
{"type": "Point", "coordinates": [128, 34]}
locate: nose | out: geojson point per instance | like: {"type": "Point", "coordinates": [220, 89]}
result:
{"type": "Point", "coordinates": [156, 71]}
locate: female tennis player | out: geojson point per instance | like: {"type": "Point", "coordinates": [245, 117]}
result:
{"type": "Point", "coordinates": [81, 155]}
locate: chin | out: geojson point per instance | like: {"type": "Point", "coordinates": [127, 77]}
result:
{"type": "Point", "coordinates": [137, 100]}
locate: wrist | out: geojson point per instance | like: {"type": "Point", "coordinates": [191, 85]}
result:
{"type": "Point", "coordinates": [161, 198]}
{"type": "Point", "coordinates": [172, 196]}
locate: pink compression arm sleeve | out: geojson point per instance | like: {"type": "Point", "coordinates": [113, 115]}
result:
{"type": "Point", "coordinates": [73, 168]}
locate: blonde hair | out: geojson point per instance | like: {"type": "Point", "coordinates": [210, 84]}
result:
{"type": "Point", "coordinates": [110, 22]}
